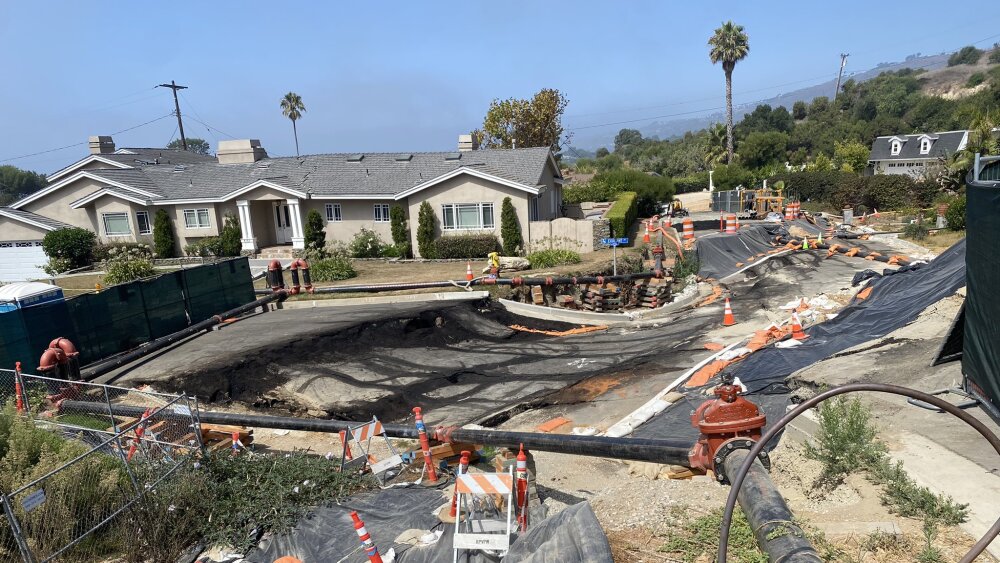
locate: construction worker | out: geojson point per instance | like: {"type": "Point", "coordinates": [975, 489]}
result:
{"type": "Point", "coordinates": [494, 260]}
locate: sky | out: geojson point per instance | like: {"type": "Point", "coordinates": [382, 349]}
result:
{"type": "Point", "coordinates": [411, 76]}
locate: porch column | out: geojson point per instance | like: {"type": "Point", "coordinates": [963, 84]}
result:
{"type": "Point", "coordinates": [298, 239]}
{"type": "Point", "coordinates": [246, 226]}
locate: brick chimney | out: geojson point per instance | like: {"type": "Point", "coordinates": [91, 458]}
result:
{"type": "Point", "coordinates": [241, 151]}
{"type": "Point", "coordinates": [466, 143]}
{"type": "Point", "coordinates": [101, 144]}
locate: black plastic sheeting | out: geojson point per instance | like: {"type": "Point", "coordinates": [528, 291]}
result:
{"type": "Point", "coordinates": [719, 253]}
{"type": "Point", "coordinates": [572, 536]}
{"type": "Point", "coordinates": [981, 334]}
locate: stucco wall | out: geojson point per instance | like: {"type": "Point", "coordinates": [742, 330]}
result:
{"type": "Point", "coordinates": [467, 189]}
{"type": "Point", "coordinates": [11, 230]}
{"type": "Point", "coordinates": [356, 214]}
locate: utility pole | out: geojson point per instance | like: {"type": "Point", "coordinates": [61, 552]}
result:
{"type": "Point", "coordinates": [843, 63]}
{"type": "Point", "coordinates": [177, 106]}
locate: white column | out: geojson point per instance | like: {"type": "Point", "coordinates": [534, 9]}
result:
{"type": "Point", "coordinates": [298, 239]}
{"type": "Point", "coordinates": [246, 226]}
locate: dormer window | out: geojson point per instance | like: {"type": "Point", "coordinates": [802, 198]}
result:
{"type": "Point", "coordinates": [925, 145]}
{"type": "Point", "coordinates": [896, 147]}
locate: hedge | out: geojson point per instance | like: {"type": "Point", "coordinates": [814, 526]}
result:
{"type": "Point", "coordinates": [622, 214]}
{"type": "Point", "coordinates": [466, 246]}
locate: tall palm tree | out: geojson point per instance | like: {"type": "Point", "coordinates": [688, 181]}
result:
{"type": "Point", "coordinates": [729, 45]}
{"type": "Point", "coordinates": [292, 108]}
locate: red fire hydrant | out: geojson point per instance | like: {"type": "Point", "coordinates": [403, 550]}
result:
{"type": "Point", "coordinates": [726, 423]}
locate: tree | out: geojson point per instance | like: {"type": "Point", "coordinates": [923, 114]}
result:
{"type": "Point", "coordinates": [426, 229]}
{"type": "Point", "coordinates": [627, 137]}
{"type": "Point", "coordinates": [510, 229]}
{"type": "Point", "coordinates": [163, 235]}
{"type": "Point", "coordinates": [514, 123]}
{"type": "Point", "coordinates": [799, 110]}
{"type": "Point", "coordinates": [400, 234]}
{"type": "Point", "coordinates": [850, 155]}
{"type": "Point", "coordinates": [195, 145]}
{"type": "Point", "coordinates": [315, 234]}
{"type": "Point", "coordinates": [292, 108]}
{"type": "Point", "coordinates": [729, 45]}
{"type": "Point", "coordinates": [16, 183]}
{"type": "Point", "coordinates": [760, 149]}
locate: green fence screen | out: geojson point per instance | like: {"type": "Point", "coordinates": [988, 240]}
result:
{"type": "Point", "coordinates": [125, 316]}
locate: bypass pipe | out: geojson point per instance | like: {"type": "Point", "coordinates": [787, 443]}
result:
{"type": "Point", "coordinates": [97, 370]}
{"type": "Point", "coordinates": [673, 452]}
{"type": "Point", "coordinates": [513, 282]}
{"type": "Point", "coordinates": [742, 474]}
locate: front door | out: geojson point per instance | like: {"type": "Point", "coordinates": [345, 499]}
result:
{"type": "Point", "coordinates": [282, 224]}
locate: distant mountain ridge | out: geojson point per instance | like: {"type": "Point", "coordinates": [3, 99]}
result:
{"type": "Point", "coordinates": [677, 127]}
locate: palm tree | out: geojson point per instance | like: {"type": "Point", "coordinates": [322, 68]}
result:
{"type": "Point", "coordinates": [292, 108]}
{"type": "Point", "coordinates": [729, 45]}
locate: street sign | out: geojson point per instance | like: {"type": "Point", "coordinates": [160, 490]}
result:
{"type": "Point", "coordinates": [613, 242]}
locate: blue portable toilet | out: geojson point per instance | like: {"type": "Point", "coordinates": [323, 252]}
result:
{"type": "Point", "coordinates": [25, 294]}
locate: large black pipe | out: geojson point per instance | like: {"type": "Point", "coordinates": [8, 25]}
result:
{"type": "Point", "coordinates": [769, 517]}
{"type": "Point", "coordinates": [97, 370]}
{"type": "Point", "coordinates": [515, 282]}
{"type": "Point", "coordinates": [673, 452]}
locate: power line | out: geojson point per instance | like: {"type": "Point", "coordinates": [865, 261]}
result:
{"type": "Point", "coordinates": [85, 142]}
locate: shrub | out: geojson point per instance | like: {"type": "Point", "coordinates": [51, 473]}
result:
{"type": "Point", "coordinates": [622, 214]}
{"type": "Point", "coordinates": [331, 269]}
{"type": "Point", "coordinates": [965, 56]}
{"type": "Point", "coordinates": [552, 257]}
{"type": "Point", "coordinates": [400, 234]}
{"type": "Point", "coordinates": [314, 234]}
{"type": "Point", "coordinates": [466, 246]}
{"type": "Point", "coordinates": [128, 264]}
{"type": "Point", "coordinates": [426, 229]}
{"type": "Point", "coordinates": [975, 80]}
{"type": "Point", "coordinates": [73, 245]}
{"type": "Point", "coordinates": [163, 235]}
{"type": "Point", "coordinates": [510, 229]}
{"type": "Point", "coordinates": [366, 244]}
{"type": "Point", "coordinates": [955, 215]}
{"type": "Point", "coordinates": [229, 237]}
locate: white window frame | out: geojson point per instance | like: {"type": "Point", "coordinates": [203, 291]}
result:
{"type": "Point", "coordinates": [480, 208]}
{"type": "Point", "coordinates": [118, 214]}
{"type": "Point", "coordinates": [381, 213]}
{"type": "Point", "coordinates": [196, 214]}
{"type": "Point", "coordinates": [138, 223]}
{"type": "Point", "coordinates": [896, 148]}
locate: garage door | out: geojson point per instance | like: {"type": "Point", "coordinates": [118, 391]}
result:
{"type": "Point", "coordinates": [21, 260]}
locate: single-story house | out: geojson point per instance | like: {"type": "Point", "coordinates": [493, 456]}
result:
{"type": "Point", "coordinates": [117, 192]}
{"type": "Point", "coordinates": [912, 154]}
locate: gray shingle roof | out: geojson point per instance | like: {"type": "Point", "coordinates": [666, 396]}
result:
{"type": "Point", "coordinates": [376, 174]}
{"type": "Point", "coordinates": [946, 143]}
{"type": "Point", "coordinates": [29, 216]}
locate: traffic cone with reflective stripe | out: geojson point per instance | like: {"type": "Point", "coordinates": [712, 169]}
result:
{"type": "Point", "coordinates": [728, 319]}
{"type": "Point", "coordinates": [797, 332]}
{"type": "Point", "coordinates": [371, 550]}
{"type": "Point", "coordinates": [468, 271]}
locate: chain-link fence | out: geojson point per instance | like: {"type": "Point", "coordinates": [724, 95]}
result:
{"type": "Point", "coordinates": [78, 455]}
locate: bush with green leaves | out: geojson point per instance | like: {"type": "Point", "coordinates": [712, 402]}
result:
{"type": "Point", "coordinates": [426, 231]}
{"type": "Point", "coordinates": [127, 264]}
{"type": "Point", "coordinates": [366, 244]}
{"type": "Point", "coordinates": [163, 235]}
{"type": "Point", "coordinates": [622, 214]}
{"type": "Point", "coordinates": [955, 215]}
{"type": "Point", "coordinates": [553, 257]}
{"type": "Point", "coordinates": [332, 269]}
{"type": "Point", "coordinates": [510, 229]}
{"type": "Point", "coordinates": [965, 56]}
{"type": "Point", "coordinates": [73, 246]}
{"type": "Point", "coordinates": [314, 233]}
{"type": "Point", "coordinates": [467, 246]}
{"type": "Point", "coordinates": [229, 238]}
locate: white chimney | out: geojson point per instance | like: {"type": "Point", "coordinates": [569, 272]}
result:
{"type": "Point", "coordinates": [101, 144]}
{"type": "Point", "coordinates": [242, 151]}
{"type": "Point", "coordinates": [466, 143]}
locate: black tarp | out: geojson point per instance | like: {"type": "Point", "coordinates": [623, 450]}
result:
{"type": "Point", "coordinates": [572, 536]}
{"type": "Point", "coordinates": [981, 347]}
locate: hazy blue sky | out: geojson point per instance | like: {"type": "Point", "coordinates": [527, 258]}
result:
{"type": "Point", "coordinates": [412, 75]}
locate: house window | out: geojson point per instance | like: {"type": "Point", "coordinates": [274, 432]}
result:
{"type": "Point", "coordinates": [896, 147]}
{"type": "Point", "coordinates": [116, 224]}
{"type": "Point", "coordinates": [467, 216]}
{"type": "Point", "coordinates": [925, 146]}
{"type": "Point", "coordinates": [333, 213]}
{"type": "Point", "coordinates": [381, 212]}
{"type": "Point", "coordinates": [142, 222]}
{"type": "Point", "coordinates": [196, 219]}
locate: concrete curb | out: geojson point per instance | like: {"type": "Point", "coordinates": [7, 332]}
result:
{"type": "Point", "coordinates": [383, 299]}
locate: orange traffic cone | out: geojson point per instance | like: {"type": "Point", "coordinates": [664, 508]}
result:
{"type": "Point", "coordinates": [468, 271]}
{"type": "Point", "coordinates": [797, 332]}
{"type": "Point", "coordinates": [728, 319]}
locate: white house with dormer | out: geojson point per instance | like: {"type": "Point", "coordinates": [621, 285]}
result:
{"type": "Point", "coordinates": [912, 154]}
